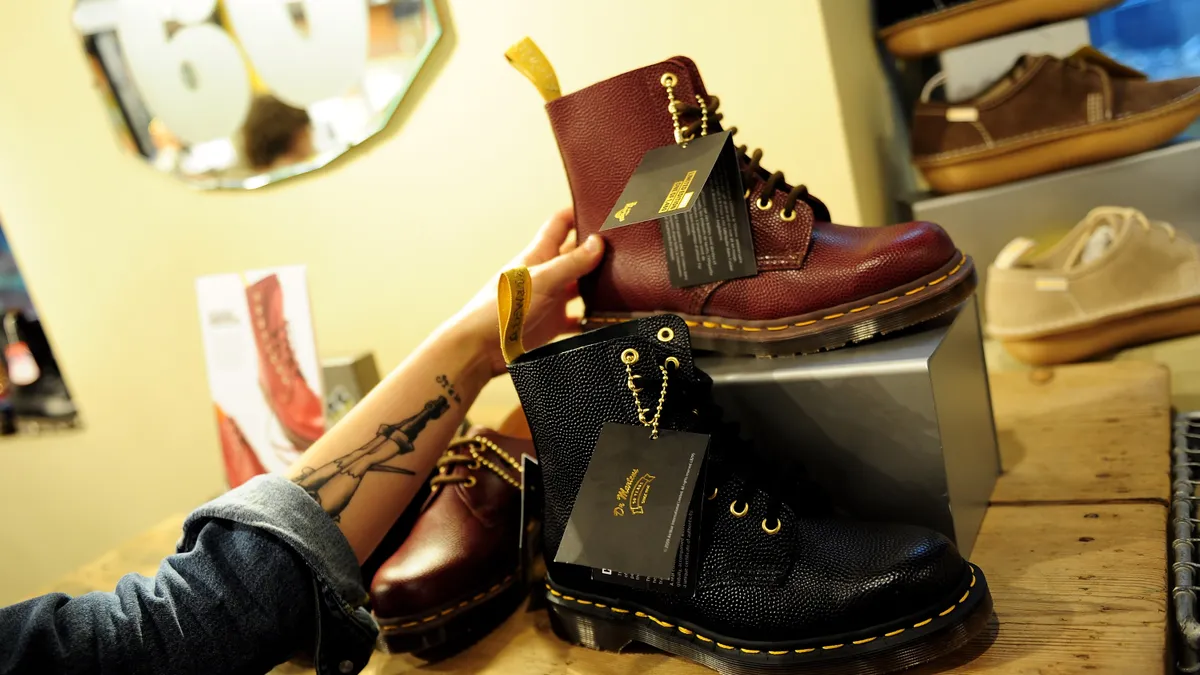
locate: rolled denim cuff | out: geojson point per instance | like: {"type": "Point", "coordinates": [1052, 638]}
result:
{"type": "Point", "coordinates": [278, 506]}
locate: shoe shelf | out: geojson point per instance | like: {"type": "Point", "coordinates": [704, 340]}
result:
{"type": "Point", "coordinates": [1072, 544]}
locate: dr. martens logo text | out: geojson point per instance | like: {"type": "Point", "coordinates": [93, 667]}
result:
{"type": "Point", "coordinates": [633, 494]}
{"type": "Point", "coordinates": [518, 310]}
{"type": "Point", "coordinates": [624, 212]}
{"type": "Point", "coordinates": [679, 197]}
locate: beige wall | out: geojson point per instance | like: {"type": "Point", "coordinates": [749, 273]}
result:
{"type": "Point", "coordinates": [395, 237]}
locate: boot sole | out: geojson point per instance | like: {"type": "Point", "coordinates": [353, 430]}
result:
{"type": "Point", "coordinates": [442, 632]}
{"type": "Point", "coordinates": [1084, 342]}
{"type": "Point", "coordinates": [937, 32]}
{"type": "Point", "coordinates": [609, 625]}
{"type": "Point", "coordinates": [1093, 144]}
{"type": "Point", "coordinates": [925, 299]}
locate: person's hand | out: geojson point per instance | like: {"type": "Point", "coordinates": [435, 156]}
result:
{"type": "Point", "coordinates": [555, 264]}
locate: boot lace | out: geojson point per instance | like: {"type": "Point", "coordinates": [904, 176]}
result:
{"type": "Point", "coordinates": [704, 111]}
{"type": "Point", "coordinates": [475, 457]}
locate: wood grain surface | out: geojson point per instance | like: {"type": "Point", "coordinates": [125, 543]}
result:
{"type": "Point", "coordinates": [1084, 433]}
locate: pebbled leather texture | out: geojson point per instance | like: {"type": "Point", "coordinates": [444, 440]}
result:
{"type": "Point", "coordinates": [815, 577]}
{"type": "Point", "coordinates": [804, 264]}
{"type": "Point", "coordinates": [464, 541]}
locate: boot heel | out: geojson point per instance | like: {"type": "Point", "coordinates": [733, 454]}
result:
{"type": "Point", "coordinates": [581, 629]}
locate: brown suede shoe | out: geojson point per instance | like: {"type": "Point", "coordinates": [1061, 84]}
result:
{"type": "Point", "coordinates": [819, 285]}
{"type": "Point", "coordinates": [1049, 114]}
{"type": "Point", "coordinates": [458, 574]}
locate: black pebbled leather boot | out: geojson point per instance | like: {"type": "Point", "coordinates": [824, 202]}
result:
{"type": "Point", "coordinates": [778, 591]}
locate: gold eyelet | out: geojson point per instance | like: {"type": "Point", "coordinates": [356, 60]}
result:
{"type": "Point", "coordinates": [629, 357]}
{"type": "Point", "coordinates": [672, 361]}
{"type": "Point", "coordinates": [668, 80]}
{"type": "Point", "coordinates": [764, 207]}
{"type": "Point", "coordinates": [735, 512]}
{"type": "Point", "coordinates": [713, 495]}
{"type": "Point", "coordinates": [665, 334]}
{"type": "Point", "coordinates": [785, 217]}
{"type": "Point", "coordinates": [774, 530]}
{"type": "Point", "coordinates": [471, 481]}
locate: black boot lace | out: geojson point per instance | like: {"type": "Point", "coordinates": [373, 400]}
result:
{"type": "Point", "coordinates": [752, 171]}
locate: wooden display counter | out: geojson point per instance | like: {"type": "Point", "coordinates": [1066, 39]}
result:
{"type": "Point", "coordinates": [1073, 545]}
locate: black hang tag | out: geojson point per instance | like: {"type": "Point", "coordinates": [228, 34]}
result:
{"type": "Point", "coordinates": [687, 561]}
{"type": "Point", "coordinates": [636, 504]}
{"type": "Point", "coordinates": [696, 193]}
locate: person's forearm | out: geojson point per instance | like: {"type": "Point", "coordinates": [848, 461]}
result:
{"type": "Point", "coordinates": [365, 470]}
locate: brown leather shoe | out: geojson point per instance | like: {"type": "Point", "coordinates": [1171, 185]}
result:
{"type": "Point", "coordinates": [819, 285]}
{"type": "Point", "coordinates": [458, 574]}
{"type": "Point", "coordinates": [1049, 114]}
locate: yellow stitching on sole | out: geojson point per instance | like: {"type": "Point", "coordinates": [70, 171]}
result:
{"type": "Point", "coordinates": [776, 327]}
{"type": "Point", "coordinates": [728, 327]}
{"type": "Point", "coordinates": [916, 290]}
{"type": "Point", "coordinates": [752, 330]}
{"type": "Point", "coordinates": [554, 592]}
{"type": "Point", "coordinates": [691, 324]}
{"type": "Point", "coordinates": [447, 611]}
{"type": "Point", "coordinates": [601, 606]}
{"type": "Point", "coordinates": [685, 631]}
{"type": "Point", "coordinates": [834, 646]}
{"type": "Point", "coordinates": [584, 602]}
{"type": "Point", "coordinates": [805, 651]}
{"type": "Point", "coordinates": [972, 581]}
{"type": "Point", "coordinates": [832, 316]}
{"type": "Point", "coordinates": [860, 309]}
{"type": "Point", "coordinates": [724, 646]}
{"type": "Point", "coordinates": [923, 623]}
{"type": "Point", "coordinates": [893, 633]}
{"type": "Point", "coordinates": [707, 324]}
{"type": "Point", "coordinates": [806, 323]}
{"type": "Point", "coordinates": [947, 610]}
{"type": "Point", "coordinates": [750, 651]}
{"type": "Point", "coordinates": [464, 603]}
{"type": "Point", "coordinates": [483, 594]}
{"type": "Point", "coordinates": [863, 642]}
{"type": "Point", "coordinates": [938, 280]}
{"type": "Point", "coordinates": [410, 624]}
{"type": "Point", "coordinates": [777, 653]}
{"type": "Point", "coordinates": [703, 638]}
{"type": "Point", "coordinates": [618, 610]}
{"type": "Point", "coordinates": [493, 588]}
{"type": "Point", "coordinates": [964, 597]}
{"type": "Point", "coordinates": [429, 618]}
{"type": "Point", "coordinates": [884, 302]}
{"type": "Point", "coordinates": [567, 597]}
{"type": "Point", "coordinates": [640, 614]}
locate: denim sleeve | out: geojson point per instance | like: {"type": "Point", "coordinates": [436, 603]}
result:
{"type": "Point", "coordinates": [261, 575]}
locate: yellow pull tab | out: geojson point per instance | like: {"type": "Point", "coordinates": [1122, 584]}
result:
{"type": "Point", "coordinates": [512, 300]}
{"type": "Point", "coordinates": [532, 63]}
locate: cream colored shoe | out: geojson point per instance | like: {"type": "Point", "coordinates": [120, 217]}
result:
{"type": "Point", "coordinates": [1117, 279]}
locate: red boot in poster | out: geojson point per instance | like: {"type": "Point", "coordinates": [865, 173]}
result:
{"type": "Point", "coordinates": [293, 402]}
{"type": "Point", "coordinates": [241, 464]}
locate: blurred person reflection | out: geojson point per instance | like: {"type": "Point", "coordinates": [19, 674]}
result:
{"type": "Point", "coordinates": [276, 134]}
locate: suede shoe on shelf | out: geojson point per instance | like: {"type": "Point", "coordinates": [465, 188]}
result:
{"type": "Point", "coordinates": [777, 590]}
{"type": "Point", "coordinates": [1048, 114]}
{"type": "Point", "coordinates": [819, 286]}
{"type": "Point", "coordinates": [295, 405]}
{"type": "Point", "coordinates": [458, 573]}
{"type": "Point", "coordinates": [912, 29]}
{"type": "Point", "coordinates": [1117, 279]}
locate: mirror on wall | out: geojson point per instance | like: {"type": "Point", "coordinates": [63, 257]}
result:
{"type": "Point", "coordinates": [33, 394]}
{"type": "Point", "coordinates": [242, 93]}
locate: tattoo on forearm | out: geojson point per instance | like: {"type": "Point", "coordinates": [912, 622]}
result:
{"type": "Point", "coordinates": [449, 387]}
{"type": "Point", "coordinates": [334, 484]}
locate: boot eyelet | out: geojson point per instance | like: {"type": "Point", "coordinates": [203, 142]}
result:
{"type": "Point", "coordinates": [735, 512]}
{"type": "Point", "coordinates": [629, 357]}
{"type": "Point", "coordinates": [672, 361]}
{"type": "Point", "coordinates": [772, 530]}
{"type": "Point", "coordinates": [669, 79]}
{"type": "Point", "coordinates": [783, 215]}
{"type": "Point", "coordinates": [713, 495]}
{"type": "Point", "coordinates": [764, 206]}
{"type": "Point", "coordinates": [471, 481]}
{"type": "Point", "coordinates": [665, 334]}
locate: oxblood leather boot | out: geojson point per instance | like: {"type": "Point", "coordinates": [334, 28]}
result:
{"type": "Point", "coordinates": [777, 591]}
{"type": "Point", "coordinates": [458, 573]}
{"type": "Point", "coordinates": [819, 286]}
{"type": "Point", "coordinates": [294, 404]}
